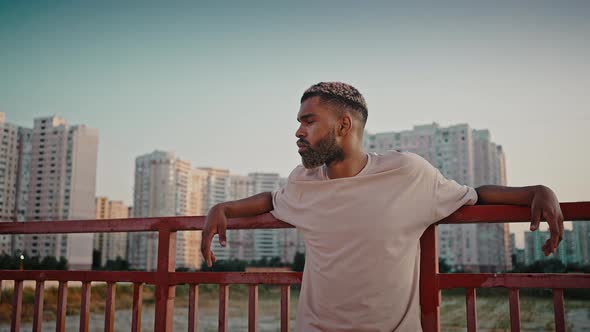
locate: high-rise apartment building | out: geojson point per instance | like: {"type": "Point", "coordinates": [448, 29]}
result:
{"type": "Point", "coordinates": [581, 234]}
{"type": "Point", "coordinates": [217, 187]}
{"type": "Point", "coordinates": [164, 187]}
{"type": "Point", "coordinates": [469, 157]}
{"type": "Point", "coordinates": [9, 171]}
{"type": "Point", "coordinates": [266, 241]}
{"type": "Point", "coordinates": [241, 242]}
{"type": "Point", "coordinates": [48, 173]}
{"type": "Point", "coordinates": [110, 245]}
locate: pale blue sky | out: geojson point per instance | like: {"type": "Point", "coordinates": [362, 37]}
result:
{"type": "Point", "coordinates": [220, 85]}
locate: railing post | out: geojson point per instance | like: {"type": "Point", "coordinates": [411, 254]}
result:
{"type": "Point", "coordinates": [137, 307]}
{"type": "Point", "coordinates": [193, 307]}
{"type": "Point", "coordinates": [85, 306]}
{"type": "Point", "coordinates": [17, 305]}
{"type": "Point", "coordinates": [253, 308]}
{"type": "Point", "coordinates": [38, 311]}
{"type": "Point", "coordinates": [429, 288]}
{"type": "Point", "coordinates": [559, 309]}
{"type": "Point", "coordinates": [285, 301]}
{"type": "Point", "coordinates": [223, 308]}
{"type": "Point", "coordinates": [514, 310]}
{"type": "Point", "coordinates": [165, 292]}
{"type": "Point", "coordinates": [62, 300]}
{"type": "Point", "coordinates": [471, 305]}
{"type": "Point", "coordinates": [109, 310]}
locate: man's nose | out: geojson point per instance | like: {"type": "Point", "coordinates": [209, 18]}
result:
{"type": "Point", "coordinates": [300, 132]}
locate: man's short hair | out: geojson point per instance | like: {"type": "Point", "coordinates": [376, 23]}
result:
{"type": "Point", "coordinates": [339, 94]}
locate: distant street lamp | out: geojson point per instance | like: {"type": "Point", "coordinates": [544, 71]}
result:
{"type": "Point", "coordinates": [22, 258]}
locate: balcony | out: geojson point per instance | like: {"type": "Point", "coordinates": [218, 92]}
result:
{"type": "Point", "coordinates": [165, 279]}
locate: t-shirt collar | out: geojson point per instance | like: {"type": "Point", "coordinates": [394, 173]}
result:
{"type": "Point", "coordinates": [363, 171]}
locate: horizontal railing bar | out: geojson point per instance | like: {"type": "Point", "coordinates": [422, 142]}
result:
{"type": "Point", "coordinates": [572, 211]}
{"type": "Point", "coordinates": [446, 280]}
{"type": "Point", "coordinates": [272, 278]}
{"type": "Point", "coordinates": [269, 278]}
{"type": "Point", "coordinates": [106, 276]}
{"type": "Point", "coordinates": [513, 280]}
{"type": "Point", "coordinates": [188, 223]}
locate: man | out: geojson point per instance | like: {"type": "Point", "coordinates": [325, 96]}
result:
{"type": "Point", "coordinates": [362, 216]}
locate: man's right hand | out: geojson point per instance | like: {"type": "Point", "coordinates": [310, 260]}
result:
{"type": "Point", "coordinates": [215, 223]}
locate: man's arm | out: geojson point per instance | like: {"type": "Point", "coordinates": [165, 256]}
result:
{"type": "Point", "coordinates": [216, 222]}
{"type": "Point", "coordinates": [543, 203]}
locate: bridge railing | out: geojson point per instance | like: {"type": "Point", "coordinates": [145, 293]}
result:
{"type": "Point", "coordinates": [166, 279]}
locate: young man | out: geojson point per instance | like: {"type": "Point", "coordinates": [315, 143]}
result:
{"type": "Point", "coordinates": [362, 216]}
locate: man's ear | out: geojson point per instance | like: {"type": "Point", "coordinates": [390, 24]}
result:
{"type": "Point", "coordinates": [345, 125]}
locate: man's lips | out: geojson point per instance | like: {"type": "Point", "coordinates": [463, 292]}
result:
{"type": "Point", "coordinates": [302, 146]}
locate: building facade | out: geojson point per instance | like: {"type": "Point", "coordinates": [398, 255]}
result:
{"type": "Point", "coordinates": [469, 157]}
{"type": "Point", "coordinates": [216, 190]}
{"type": "Point", "coordinates": [163, 187]}
{"type": "Point", "coordinates": [9, 171]}
{"type": "Point", "coordinates": [581, 234]}
{"type": "Point", "coordinates": [110, 245]}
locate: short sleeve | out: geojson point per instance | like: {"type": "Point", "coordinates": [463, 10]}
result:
{"type": "Point", "coordinates": [278, 204]}
{"type": "Point", "coordinates": [449, 196]}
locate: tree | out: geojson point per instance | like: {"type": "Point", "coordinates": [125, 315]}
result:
{"type": "Point", "coordinates": [298, 262]}
{"type": "Point", "coordinates": [96, 259]}
{"type": "Point", "coordinates": [9, 262]}
{"type": "Point", "coordinates": [443, 267]}
{"type": "Point", "coordinates": [118, 264]}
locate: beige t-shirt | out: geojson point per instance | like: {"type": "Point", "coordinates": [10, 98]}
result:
{"type": "Point", "coordinates": [362, 240]}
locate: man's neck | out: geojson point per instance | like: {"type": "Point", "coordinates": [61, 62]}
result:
{"type": "Point", "coordinates": [350, 166]}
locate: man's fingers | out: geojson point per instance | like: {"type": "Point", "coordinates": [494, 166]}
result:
{"type": "Point", "coordinates": [206, 251]}
{"type": "Point", "coordinates": [547, 248]}
{"type": "Point", "coordinates": [221, 231]}
{"type": "Point", "coordinates": [560, 224]}
{"type": "Point", "coordinates": [207, 238]}
{"type": "Point", "coordinates": [553, 229]}
{"type": "Point", "coordinates": [535, 218]}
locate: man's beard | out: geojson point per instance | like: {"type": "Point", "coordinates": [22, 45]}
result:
{"type": "Point", "coordinates": [326, 152]}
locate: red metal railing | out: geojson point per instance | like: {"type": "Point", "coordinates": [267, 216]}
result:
{"type": "Point", "coordinates": [431, 282]}
{"type": "Point", "coordinates": [165, 279]}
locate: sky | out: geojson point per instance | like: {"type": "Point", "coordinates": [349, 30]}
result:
{"type": "Point", "coordinates": [219, 84]}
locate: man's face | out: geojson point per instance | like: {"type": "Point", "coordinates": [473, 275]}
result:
{"type": "Point", "coordinates": [317, 134]}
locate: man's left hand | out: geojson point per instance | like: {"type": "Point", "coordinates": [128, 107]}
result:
{"type": "Point", "coordinates": [544, 205]}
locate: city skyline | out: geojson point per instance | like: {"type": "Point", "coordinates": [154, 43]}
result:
{"type": "Point", "coordinates": [518, 228]}
{"type": "Point", "coordinates": [221, 86]}
{"type": "Point", "coordinates": [460, 152]}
